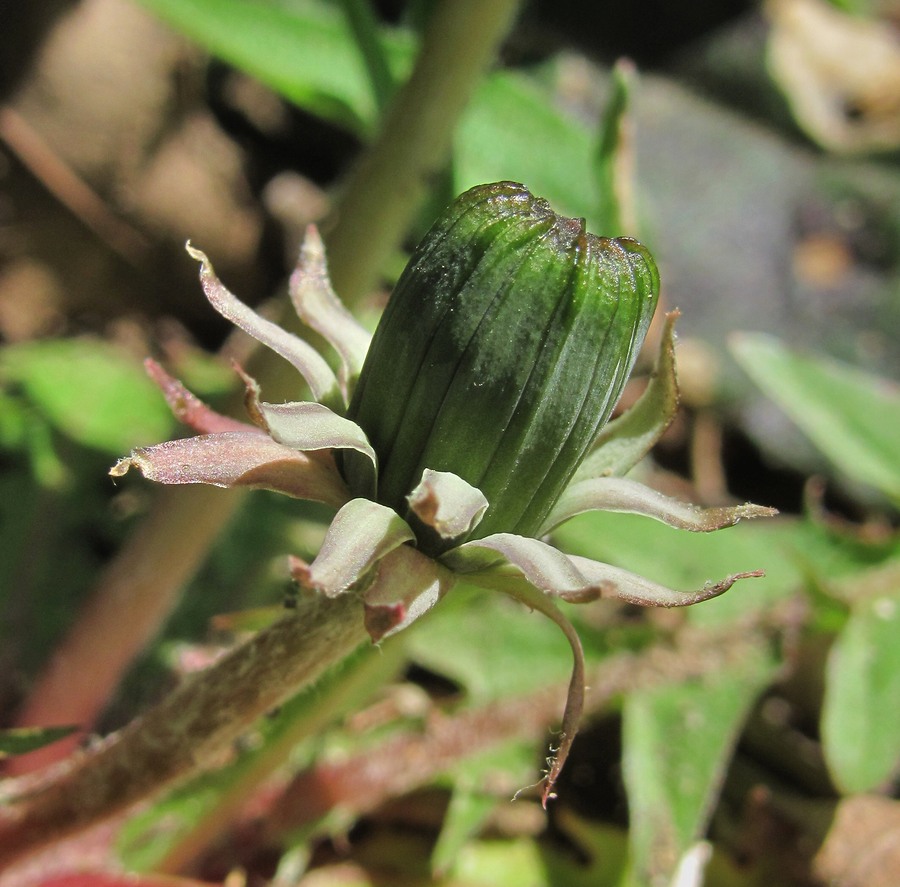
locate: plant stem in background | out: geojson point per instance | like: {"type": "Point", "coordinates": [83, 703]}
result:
{"type": "Point", "coordinates": [140, 587]}
{"type": "Point", "coordinates": [188, 729]}
{"type": "Point", "coordinates": [390, 183]}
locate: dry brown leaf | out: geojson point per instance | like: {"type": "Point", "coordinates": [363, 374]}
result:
{"type": "Point", "coordinates": [862, 846]}
{"type": "Point", "coordinates": [840, 74]}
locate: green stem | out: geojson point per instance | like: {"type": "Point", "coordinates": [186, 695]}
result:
{"type": "Point", "coordinates": [185, 732]}
{"type": "Point", "coordinates": [389, 184]}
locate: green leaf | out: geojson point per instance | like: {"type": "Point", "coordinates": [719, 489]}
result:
{"type": "Point", "coordinates": [505, 134]}
{"type": "Point", "coordinates": [478, 785]}
{"type": "Point", "coordinates": [303, 49]}
{"type": "Point", "coordinates": [851, 416]}
{"type": "Point", "coordinates": [479, 639]}
{"type": "Point", "coordinates": [677, 741]}
{"type": "Point", "coordinates": [364, 22]}
{"type": "Point", "coordinates": [683, 560]}
{"type": "Point", "coordinates": [467, 812]}
{"type": "Point", "coordinates": [861, 714]}
{"type": "Point", "coordinates": [524, 862]}
{"type": "Point", "coordinates": [18, 741]}
{"type": "Point", "coordinates": [90, 391]}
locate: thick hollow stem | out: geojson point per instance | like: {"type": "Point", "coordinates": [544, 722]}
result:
{"type": "Point", "coordinates": [184, 732]}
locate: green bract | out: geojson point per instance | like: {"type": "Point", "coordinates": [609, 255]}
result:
{"type": "Point", "coordinates": [469, 428]}
{"type": "Point", "coordinates": [503, 349]}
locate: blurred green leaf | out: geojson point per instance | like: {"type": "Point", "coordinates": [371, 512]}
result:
{"type": "Point", "coordinates": [466, 813]}
{"type": "Point", "coordinates": [527, 863]}
{"type": "Point", "coordinates": [511, 130]}
{"type": "Point", "coordinates": [13, 422]}
{"type": "Point", "coordinates": [684, 560]}
{"type": "Point", "coordinates": [476, 784]}
{"type": "Point", "coordinates": [861, 708]}
{"type": "Point", "coordinates": [46, 463]}
{"type": "Point", "coordinates": [303, 49]}
{"type": "Point", "coordinates": [482, 639]}
{"type": "Point", "coordinates": [364, 24]}
{"type": "Point", "coordinates": [677, 742]}
{"type": "Point", "coordinates": [19, 740]}
{"type": "Point", "coordinates": [851, 416]}
{"type": "Point", "coordinates": [614, 157]}
{"type": "Point", "coordinates": [90, 391]}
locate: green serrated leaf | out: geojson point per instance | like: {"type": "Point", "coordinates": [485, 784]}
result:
{"type": "Point", "coordinates": [677, 741]}
{"type": "Point", "coordinates": [861, 714]}
{"type": "Point", "coordinates": [90, 391]}
{"type": "Point", "coordinates": [20, 740]}
{"type": "Point", "coordinates": [851, 416]}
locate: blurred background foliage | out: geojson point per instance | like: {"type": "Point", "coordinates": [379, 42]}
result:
{"type": "Point", "coordinates": [752, 740]}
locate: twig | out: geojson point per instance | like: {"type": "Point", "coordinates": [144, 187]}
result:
{"type": "Point", "coordinates": [358, 784]}
{"type": "Point", "coordinates": [69, 189]}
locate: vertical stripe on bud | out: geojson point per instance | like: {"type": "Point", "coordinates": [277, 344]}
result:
{"type": "Point", "coordinates": [503, 349]}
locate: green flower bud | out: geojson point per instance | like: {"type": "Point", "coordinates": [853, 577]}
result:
{"type": "Point", "coordinates": [502, 351]}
